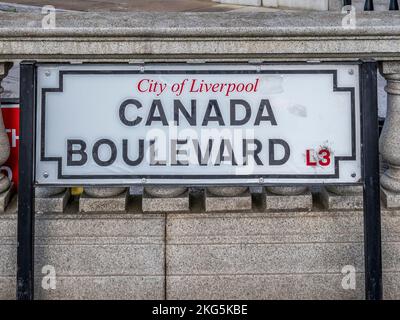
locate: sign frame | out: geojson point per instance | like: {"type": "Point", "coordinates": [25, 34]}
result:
{"type": "Point", "coordinates": [201, 179]}
{"type": "Point", "coordinates": [370, 170]}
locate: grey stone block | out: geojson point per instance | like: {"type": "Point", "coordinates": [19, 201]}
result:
{"type": "Point", "coordinates": [288, 202]}
{"type": "Point", "coordinates": [240, 202]}
{"type": "Point", "coordinates": [101, 256]}
{"type": "Point", "coordinates": [5, 198]}
{"type": "Point", "coordinates": [390, 199]}
{"type": "Point", "coordinates": [109, 287]}
{"type": "Point", "coordinates": [110, 204]}
{"type": "Point", "coordinates": [277, 227]}
{"type": "Point", "coordinates": [334, 201]}
{"type": "Point", "coordinates": [115, 258]}
{"type": "Point", "coordinates": [176, 204]}
{"type": "Point", "coordinates": [262, 287]}
{"type": "Point", "coordinates": [285, 255]}
{"type": "Point", "coordinates": [54, 204]}
{"type": "Point", "coordinates": [227, 255]}
{"type": "Point", "coordinates": [262, 258]}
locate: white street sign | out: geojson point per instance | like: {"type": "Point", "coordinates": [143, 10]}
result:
{"type": "Point", "coordinates": [198, 124]}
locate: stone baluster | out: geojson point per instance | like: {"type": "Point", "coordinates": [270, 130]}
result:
{"type": "Point", "coordinates": [288, 198]}
{"type": "Point", "coordinates": [227, 199]}
{"type": "Point", "coordinates": [165, 199]}
{"type": "Point", "coordinates": [103, 199]}
{"type": "Point", "coordinates": [5, 184]}
{"type": "Point", "coordinates": [390, 137]}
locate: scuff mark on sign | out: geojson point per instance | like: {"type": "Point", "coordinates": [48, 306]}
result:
{"type": "Point", "coordinates": [273, 84]}
{"type": "Point", "coordinates": [298, 110]}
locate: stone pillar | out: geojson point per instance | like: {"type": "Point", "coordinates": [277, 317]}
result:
{"type": "Point", "coordinates": [227, 199]}
{"type": "Point", "coordinates": [103, 199]}
{"type": "Point", "coordinates": [5, 184]}
{"type": "Point", "coordinates": [342, 197]}
{"type": "Point", "coordinates": [390, 137]}
{"type": "Point", "coordinates": [288, 198]}
{"type": "Point", "coordinates": [165, 199]}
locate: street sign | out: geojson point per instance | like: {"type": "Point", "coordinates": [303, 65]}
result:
{"type": "Point", "coordinates": [197, 124]}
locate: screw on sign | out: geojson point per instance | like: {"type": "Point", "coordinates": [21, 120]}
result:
{"type": "Point", "coordinates": [11, 122]}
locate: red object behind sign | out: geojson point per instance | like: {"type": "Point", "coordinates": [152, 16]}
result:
{"type": "Point", "coordinates": [11, 122]}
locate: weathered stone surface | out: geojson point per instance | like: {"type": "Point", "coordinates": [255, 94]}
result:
{"type": "Point", "coordinates": [343, 190]}
{"type": "Point", "coordinates": [175, 204]}
{"type": "Point", "coordinates": [287, 191]}
{"type": "Point", "coordinates": [108, 287]}
{"type": "Point", "coordinates": [391, 200]}
{"type": "Point", "coordinates": [52, 203]}
{"type": "Point", "coordinates": [106, 256]}
{"type": "Point", "coordinates": [241, 2]}
{"type": "Point", "coordinates": [379, 5]}
{"type": "Point", "coordinates": [282, 255]}
{"type": "Point", "coordinates": [262, 287]}
{"type": "Point", "coordinates": [165, 192]}
{"type": "Point", "coordinates": [275, 286]}
{"type": "Point", "coordinates": [226, 191]}
{"type": "Point", "coordinates": [107, 204]}
{"type": "Point", "coordinates": [390, 136]}
{"type": "Point", "coordinates": [5, 198]}
{"type": "Point", "coordinates": [285, 255]}
{"type": "Point", "coordinates": [298, 4]}
{"type": "Point", "coordinates": [4, 142]}
{"type": "Point", "coordinates": [288, 202]}
{"type": "Point", "coordinates": [241, 202]}
{"type": "Point", "coordinates": [218, 257]}
{"type": "Point", "coordinates": [43, 192]}
{"type": "Point", "coordinates": [335, 201]}
{"type": "Point", "coordinates": [4, 183]}
{"type": "Point", "coordinates": [104, 192]}
{"type": "Point", "coordinates": [151, 36]}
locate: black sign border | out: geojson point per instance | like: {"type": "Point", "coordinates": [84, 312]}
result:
{"type": "Point", "coordinates": [62, 73]}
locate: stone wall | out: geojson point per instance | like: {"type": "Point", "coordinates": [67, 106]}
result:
{"type": "Point", "coordinates": [254, 255]}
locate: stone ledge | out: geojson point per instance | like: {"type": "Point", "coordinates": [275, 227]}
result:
{"type": "Point", "coordinates": [208, 24]}
{"type": "Point", "coordinates": [131, 37]}
{"type": "Point", "coordinates": [332, 201]}
{"type": "Point", "coordinates": [53, 204]}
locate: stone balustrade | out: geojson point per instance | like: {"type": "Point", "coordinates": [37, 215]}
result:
{"type": "Point", "coordinates": [150, 37]}
{"type": "Point", "coordinates": [212, 37]}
